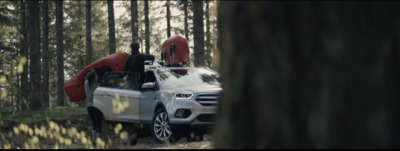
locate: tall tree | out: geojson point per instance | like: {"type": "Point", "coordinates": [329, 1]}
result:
{"type": "Point", "coordinates": [111, 26]}
{"type": "Point", "coordinates": [134, 20]}
{"type": "Point", "coordinates": [198, 33]}
{"type": "Point", "coordinates": [60, 52]}
{"type": "Point", "coordinates": [147, 26]}
{"type": "Point", "coordinates": [168, 19]}
{"type": "Point", "coordinates": [34, 53]}
{"type": "Point", "coordinates": [45, 45]}
{"type": "Point", "coordinates": [24, 54]}
{"type": "Point", "coordinates": [89, 48]}
{"type": "Point", "coordinates": [185, 10]}
{"type": "Point", "coordinates": [309, 75]}
{"type": "Point", "coordinates": [185, 6]}
{"type": "Point", "coordinates": [208, 36]}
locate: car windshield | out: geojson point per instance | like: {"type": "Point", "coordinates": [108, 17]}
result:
{"type": "Point", "coordinates": [188, 76]}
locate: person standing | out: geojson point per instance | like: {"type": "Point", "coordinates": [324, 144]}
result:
{"type": "Point", "coordinates": [91, 83]}
{"type": "Point", "coordinates": [135, 64]}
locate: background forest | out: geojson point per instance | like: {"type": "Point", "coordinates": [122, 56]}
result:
{"type": "Point", "coordinates": [307, 74]}
{"type": "Point", "coordinates": [46, 49]}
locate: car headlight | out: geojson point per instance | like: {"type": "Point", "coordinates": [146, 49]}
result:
{"type": "Point", "coordinates": [181, 96]}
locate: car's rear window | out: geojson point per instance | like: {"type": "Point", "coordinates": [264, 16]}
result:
{"type": "Point", "coordinates": [188, 76]}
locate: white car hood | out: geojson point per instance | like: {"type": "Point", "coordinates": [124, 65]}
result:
{"type": "Point", "coordinates": [201, 88]}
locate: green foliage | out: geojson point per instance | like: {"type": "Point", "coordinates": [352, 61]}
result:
{"type": "Point", "coordinates": [74, 37]}
{"type": "Point", "coordinates": [43, 114]}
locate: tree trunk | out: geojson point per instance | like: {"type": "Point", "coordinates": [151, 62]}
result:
{"type": "Point", "coordinates": [60, 52]}
{"type": "Point", "coordinates": [89, 48]}
{"type": "Point", "coordinates": [168, 19]}
{"type": "Point", "coordinates": [198, 34]}
{"type": "Point", "coordinates": [185, 11]}
{"type": "Point", "coordinates": [146, 20]}
{"type": "Point", "coordinates": [34, 53]}
{"type": "Point", "coordinates": [46, 19]}
{"type": "Point", "coordinates": [111, 26]}
{"type": "Point", "coordinates": [309, 75]}
{"type": "Point", "coordinates": [11, 88]}
{"type": "Point", "coordinates": [24, 54]}
{"type": "Point", "coordinates": [19, 96]}
{"type": "Point", "coordinates": [134, 20]}
{"type": "Point", "coordinates": [208, 36]}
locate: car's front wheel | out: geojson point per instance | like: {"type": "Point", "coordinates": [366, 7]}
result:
{"type": "Point", "coordinates": [160, 127]}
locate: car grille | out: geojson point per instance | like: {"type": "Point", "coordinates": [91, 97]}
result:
{"type": "Point", "coordinates": [208, 99]}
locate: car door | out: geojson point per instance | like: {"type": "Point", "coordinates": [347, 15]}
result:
{"type": "Point", "coordinates": [148, 99]}
{"type": "Point", "coordinates": [121, 101]}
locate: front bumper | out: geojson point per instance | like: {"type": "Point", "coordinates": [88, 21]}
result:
{"type": "Point", "coordinates": [200, 115]}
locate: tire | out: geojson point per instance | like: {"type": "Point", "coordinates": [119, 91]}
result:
{"type": "Point", "coordinates": [160, 128]}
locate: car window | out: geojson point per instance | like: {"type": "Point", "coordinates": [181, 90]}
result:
{"type": "Point", "coordinates": [188, 76]}
{"type": "Point", "coordinates": [117, 80]}
{"type": "Point", "coordinates": [150, 77]}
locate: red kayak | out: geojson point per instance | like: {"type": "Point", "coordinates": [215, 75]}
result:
{"type": "Point", "coordinates": [179, 48]}
{"type": "Point", "coordinates": [74, 87]}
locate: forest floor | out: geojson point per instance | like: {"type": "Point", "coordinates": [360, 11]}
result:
{"type": "Point", "coordinates": [74, 132]}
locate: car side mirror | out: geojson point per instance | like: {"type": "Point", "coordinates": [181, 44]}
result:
{"type": "Point", "coordinates": [148, 62]}
{"type": "Point", "coordinates": [148, 85]}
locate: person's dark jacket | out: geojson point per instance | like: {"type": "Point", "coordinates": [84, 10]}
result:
{"type": "Point", "coordinates": [135, 63]}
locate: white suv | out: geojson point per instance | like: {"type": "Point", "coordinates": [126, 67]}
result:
{"type": "Point", "coordinates": [172, 102]}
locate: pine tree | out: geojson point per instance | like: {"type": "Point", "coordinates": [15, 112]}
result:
{"type": "Point", "coordinates": [45, 45]}
{"type": "Point", "coordinates": [89, 48]}
{"type": "Point", "coordinates": [198, 33]}
{"type": "Point", "coordinates": [34, 55]}
{"type": "Point", "coordinates": [60, 52]}
{"type": "Point", "coordinates": [111, 26]}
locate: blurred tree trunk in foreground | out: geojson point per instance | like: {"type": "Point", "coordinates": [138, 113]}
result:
{"type": "Point", "coordinates": [309, 75]}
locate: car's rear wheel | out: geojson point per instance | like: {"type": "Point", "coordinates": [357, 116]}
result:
{"type": "Point", "coordinates": [160, 127]}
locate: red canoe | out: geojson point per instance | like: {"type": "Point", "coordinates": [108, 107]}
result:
{"type": "Point", "coordinates": [74, 87]}
{"type": "Point", "coordinates": [181, 50]}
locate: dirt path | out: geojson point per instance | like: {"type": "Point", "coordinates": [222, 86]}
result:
{"type": "Point", "coordinates": [74, 134]}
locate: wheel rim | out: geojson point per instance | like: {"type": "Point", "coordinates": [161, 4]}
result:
{"type": "Point", "coordinates": [161, 126]}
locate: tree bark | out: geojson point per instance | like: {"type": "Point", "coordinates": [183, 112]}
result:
{"type": "Point", "coordinates": [309, 75]}
{"type": "Point", "coordinates": [111, 26]}
{"type": "Point", "coordinates": [208, 36]}
{"type": "Point", "coordinates": [168, 19]}
{"type": "Point", "coordinates": [89, 47]}
{"type": "Point", "coordinates": [147, 26]}
{"type": "Point", "coordinates": [198, 34]}
{"type": "Point", "coordinates": [46, 19]}
{"type": "Point", "coordinates": [60, 52]}
{"type": "Point", "coordinates": [185, 11]}
{"type": "Point", "coordinates": [134, 20]}
{"type": "Point", "coordinates": [34, 53]}
{"type": "Point", "coordinates": [24, 53]}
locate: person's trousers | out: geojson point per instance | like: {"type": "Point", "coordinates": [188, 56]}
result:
{"type": "Point", "coordinates": [96, 117]}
